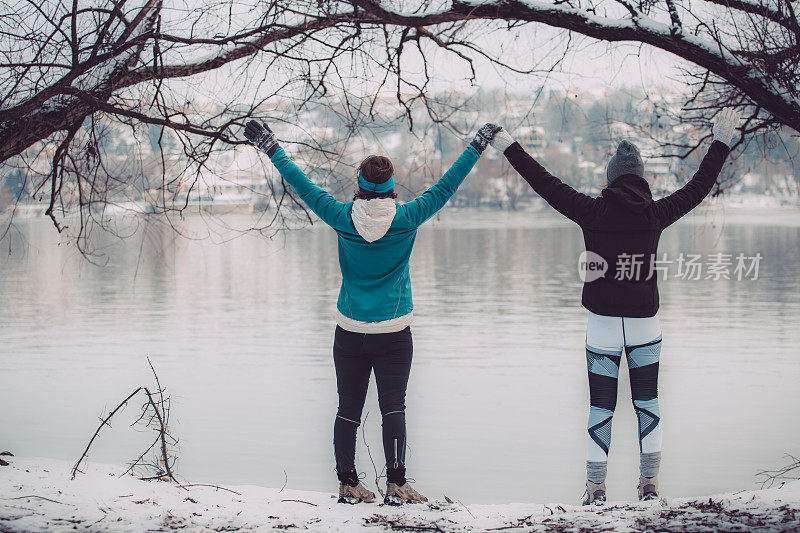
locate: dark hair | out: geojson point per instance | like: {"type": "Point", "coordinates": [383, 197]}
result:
{"type": "Point", "coordinates": [375, 169]}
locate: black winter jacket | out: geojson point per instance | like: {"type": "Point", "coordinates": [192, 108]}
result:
{"type": "Point", "coordinates": [623, 226]}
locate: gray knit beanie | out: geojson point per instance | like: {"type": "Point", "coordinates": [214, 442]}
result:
{"type": "Point", "coordinates": [626, 161]}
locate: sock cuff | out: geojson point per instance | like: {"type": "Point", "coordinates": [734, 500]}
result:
{"type": "Point", "coordinates": [596, 471]}
{"type": "Point", "coordinates": [649, 464]}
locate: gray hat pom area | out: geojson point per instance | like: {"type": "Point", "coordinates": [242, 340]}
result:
{"type": "Point", "coordinates": [627, 160]}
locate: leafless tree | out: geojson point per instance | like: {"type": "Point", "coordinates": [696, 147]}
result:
{"type": "Point", "coordinates": [186, 76]}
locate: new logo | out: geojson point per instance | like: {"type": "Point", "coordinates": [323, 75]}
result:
{"type": "Point", "coordinates": [591, 266]}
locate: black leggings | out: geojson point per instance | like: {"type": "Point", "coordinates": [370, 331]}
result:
{"type": "Point", "coordinates": [355, 355]}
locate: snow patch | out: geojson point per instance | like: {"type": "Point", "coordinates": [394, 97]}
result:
{"type": "Point", "coordinates": [38, 495]}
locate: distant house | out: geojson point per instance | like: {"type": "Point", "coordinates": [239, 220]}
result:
{"type": "Point", "coordinates": [659, 172]}
{"type": "Point", "coordinates": [532, 139]}
{"type": "Point", "coordinates": [243, 192]}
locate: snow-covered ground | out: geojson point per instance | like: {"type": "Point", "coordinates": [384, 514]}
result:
{"type": "Point", "coordinates": [38, 495]}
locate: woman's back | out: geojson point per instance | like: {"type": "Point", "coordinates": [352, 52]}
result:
{"type": "Point", "coordinates": [376, 284]}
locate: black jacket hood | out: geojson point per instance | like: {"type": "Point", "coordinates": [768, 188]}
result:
{"type": "Point", "coordinates": [630, 191]}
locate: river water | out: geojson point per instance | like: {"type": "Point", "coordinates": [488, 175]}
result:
{"type": "Point", "coordinates": [240, 333]}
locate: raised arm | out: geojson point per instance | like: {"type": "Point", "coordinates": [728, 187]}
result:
{"type": "Point", "coordinates": [322, 203]}
{"type": "Point", "coordinates": [672, 207]}
{"type": "Point", "coordinates": [428, 203]}
{"type": "Point", "coordinates": [572, 204]}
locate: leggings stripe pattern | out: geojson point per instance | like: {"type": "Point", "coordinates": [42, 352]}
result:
{"type": "Point", "coordinates": [603, 371]}
{"type": "Point", "coordinates": [643, 368]}
{"type": "Point", "coordinates": [603, 364]}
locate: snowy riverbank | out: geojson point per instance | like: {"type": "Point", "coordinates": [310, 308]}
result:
{"type": "Point", "coordinates": [37, 495]}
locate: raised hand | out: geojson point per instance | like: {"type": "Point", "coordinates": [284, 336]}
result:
{"type": "Point", "coordinates": [485, 136]}
{"type": "Point", "coordinates": [501, 140]}
{"type": "Point", "coordinates": [725, 123]}
{"type": "Point", "coordinates": [261, 136]}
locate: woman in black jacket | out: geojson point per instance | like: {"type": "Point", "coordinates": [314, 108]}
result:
{"type": "Point", "coordinates": [621, 229]}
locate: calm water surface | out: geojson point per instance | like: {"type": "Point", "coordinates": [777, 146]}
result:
{"type": "Point", "coordinates": [241, 331]}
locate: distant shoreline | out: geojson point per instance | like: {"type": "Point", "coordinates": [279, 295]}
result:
{"type": "Point", "coordinates": [727, 201]}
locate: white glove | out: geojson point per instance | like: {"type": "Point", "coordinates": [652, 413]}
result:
{"type": "Point", "coordinates": [501, 141]}
{"type": "Point", "coordinates": [725, 123]}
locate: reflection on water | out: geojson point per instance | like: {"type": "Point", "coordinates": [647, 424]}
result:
{"type": "Point", "coordinates": [241, 333]}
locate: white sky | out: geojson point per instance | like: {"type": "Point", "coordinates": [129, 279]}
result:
{"type": "Point", "coordinates": [590, 65]}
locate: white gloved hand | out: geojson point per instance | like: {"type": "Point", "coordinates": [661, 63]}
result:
{"type": "Point", "coordinates": [725, 123]}
{"type": "Point", "coordinates": [501, 141]}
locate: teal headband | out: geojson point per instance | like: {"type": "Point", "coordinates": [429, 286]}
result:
{"type": "Point", "coordinates": [386, 186]}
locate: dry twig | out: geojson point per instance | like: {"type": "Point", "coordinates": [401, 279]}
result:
{"type": "Point", "coordinates": [97, 431]}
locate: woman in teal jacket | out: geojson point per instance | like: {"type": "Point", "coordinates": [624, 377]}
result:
{"type": "Point", "coordinates": [374, 309]}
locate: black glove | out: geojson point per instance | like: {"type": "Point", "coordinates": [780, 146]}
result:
{"type": "Point", "coordinates": [261, 136]}
{"type": "Point", "coordinates": [484, 136]}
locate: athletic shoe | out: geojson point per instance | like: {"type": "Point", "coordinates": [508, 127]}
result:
{"type": "Point", "coordinates": [595, 493]}
{"type": "Point", "coordinates": [400, 494]}
{"type": "Point", "coordinates": [648, 488]}
{"type": "Point", "coordinates": [353, 495]}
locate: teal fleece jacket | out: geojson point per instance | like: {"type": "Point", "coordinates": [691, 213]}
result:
{"type": "Point", "coordinates": [376, 284]}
